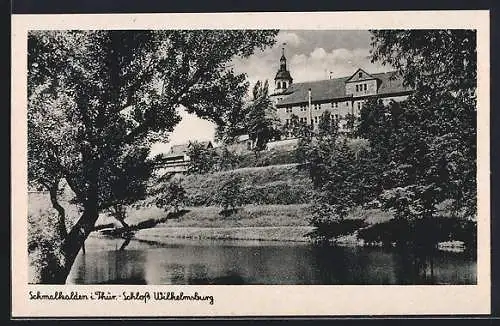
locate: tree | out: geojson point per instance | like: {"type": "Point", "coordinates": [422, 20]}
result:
{"type": "Point", "coordinates": [99, 98]}
{"type": "Point", "coordinates": [335, 175]}
{"type": "Point", "coordinates": [227, 159]}
{"type": "Point", "coordinates": [172, 195]}
{"type": "Point", "coordinates": [256, 117]}
{"type": "Point", "coordinates": [427, 144]}
{"type": "Point", "coordinates": [434, 132]}
{"type": "Point", "coordinates": [229, 194]}
{"type": "Point", "coordinates": [201, 159]}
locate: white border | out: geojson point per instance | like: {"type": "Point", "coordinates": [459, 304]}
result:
{"type": "Point", "coordinates": [249, 300]}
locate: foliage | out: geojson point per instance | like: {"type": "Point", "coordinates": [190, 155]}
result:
{"type": "Point", "coordinates": [172, 195]}
{"type": "Point", "coordinates": [403, 232]}
{"type": "Point", "coordinates": [229, 194]}
{"type": "Point", "coordinates": [417, 154]}
{"type": "Point", "coordinates": [44, 247]}
{"type": "Point", "coordinates": [257, 118]}
{"type": "Point", "coordinates": [429, 141]}
{"type": "Point", "coordinates": [334, 172]}
{"type": "Point", "coordinates": [262, 124]}
{"type": "Point", "coordinates": [201, 159]}
{"type": "Point", "coordinates": [226, 160]}
{"type": "Point", "coordinates": [98, 99]}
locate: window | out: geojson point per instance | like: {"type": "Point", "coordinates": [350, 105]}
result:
{"type": "Point", "coordinates": [288, 109]}
{"type": "Point", "coordinates": [359, 105]}
{"type": "Point", "coordinates": [316, 119]}
{"type": "Point", "coordinates": [336, 117]}
{"type": "Point", "coordinates": [287, 122]}
{"type": "Point", "coordinates": [278, 85]}
{"type": "Point", "coordinates": [284, 84]}
{"type": "Point", "coordinates": [360, 74]}
{"type": "Point", "coordinates": [365, 87]}
{"type": "Point", "coordinates": [357, 88]}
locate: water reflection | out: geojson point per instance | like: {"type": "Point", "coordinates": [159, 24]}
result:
{"type": "Point", "coordinates": [223, 262]}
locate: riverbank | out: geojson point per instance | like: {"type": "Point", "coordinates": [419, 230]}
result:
{"type": "Point", "coordinates": [163, 234]}
{"type": "Point", "coordinates": [251, 222]}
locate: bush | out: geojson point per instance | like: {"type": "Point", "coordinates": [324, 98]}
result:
{"type": "Point", "coordinates": [229, 195]}
{"type": "Point", "coordinates": [172, 195]}
{"type": "Point", "coordinates": [424, 232]}
{"type": "Point", "coordinates": [44, 247]}
{"type": "Point", "coordinates": [329, 223]}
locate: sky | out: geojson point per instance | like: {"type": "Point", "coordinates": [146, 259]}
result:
{"type": "Point", "coordinates": [311, 55]}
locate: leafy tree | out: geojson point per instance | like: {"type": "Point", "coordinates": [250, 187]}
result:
{"type": "Point", "coordinates": [427, 144]}
{"type": "Point", "coordinates": [98, 99]}
{"type": "Point", "coordinates": [172, 195]}
{"type": "Point", "coordinates": [335, 175]}
{"type": "Point", "coordinates": [434, 132]}
{"type": "Point", "coordinates": [262, 124]}
{"type": "Point", "coordinates": [229, 195]}
{"type": "Point", "coordinates": [227, 160]}
{"type": "Point", "coordinates": [304, 133]}
{"type": "Point", "coordinates": [201, 159]}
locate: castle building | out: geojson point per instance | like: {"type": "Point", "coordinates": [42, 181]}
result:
{"type": "Point", "coordinates": [340, 96]}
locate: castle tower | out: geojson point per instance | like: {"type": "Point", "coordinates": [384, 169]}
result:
{"type": "Point", "coordinates": [283, 79]}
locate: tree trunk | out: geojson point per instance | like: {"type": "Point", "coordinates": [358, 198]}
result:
{"type": "Point", "coordinates": [125, 225]}
{"type": "Point", "coordinates": [61, 226]}
{"type": "Point", "coordinates": [77, 236]}
{"type": "Point", "coordinates": [53, 266]}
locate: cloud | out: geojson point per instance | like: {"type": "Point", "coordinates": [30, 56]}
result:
{"type": "Point", "coordinates": [291, 39]}
{"type": "Point", "coordinates": [319, 64]}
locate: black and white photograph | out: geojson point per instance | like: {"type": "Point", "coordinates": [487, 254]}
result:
{"type": "Point", "coordinates": [233, 156]}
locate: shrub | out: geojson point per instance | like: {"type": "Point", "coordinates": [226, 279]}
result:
{"type": "Point", "coordinates": [229, 195]}
{"type": "Point", "coordinates": [173, 195]}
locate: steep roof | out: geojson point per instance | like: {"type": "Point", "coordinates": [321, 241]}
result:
{"type": "Point", "coordinates": [183, 148]}
{"type": "Point", "coordinates": [329, 89]}
{"type": "Point", "coordinates": [359, 75]}
{"type": "Point", "coordinates": [204, 143]}
{"type": "Point", "coordinates": [283, 74]}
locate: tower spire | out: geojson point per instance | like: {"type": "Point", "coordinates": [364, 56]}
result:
{"type": "Point", "coordinates": [283, 79]}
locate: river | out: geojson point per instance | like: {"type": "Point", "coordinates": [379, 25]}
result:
{"type": "Point", "coordinates": [255, 262]}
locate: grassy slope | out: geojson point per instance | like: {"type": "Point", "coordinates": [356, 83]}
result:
{"type": "Point", "coordinates": [276, 184]}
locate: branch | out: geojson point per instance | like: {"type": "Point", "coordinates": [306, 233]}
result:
{"type": "Point", "coordinates": [175, 99]}
{"type": "Point", "coordinates": [132, 89]}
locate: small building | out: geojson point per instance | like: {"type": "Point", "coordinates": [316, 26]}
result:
{"type": "Point", "coordinates": [241, 144]}
{"type": "Point", "coordinates": [177, 159]}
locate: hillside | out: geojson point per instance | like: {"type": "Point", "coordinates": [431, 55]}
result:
{"type": "Point", "coordinates": [275, 184]}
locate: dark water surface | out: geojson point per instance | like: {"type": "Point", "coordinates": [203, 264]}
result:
{"type": "Point", "coordinates": [253, 262]}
